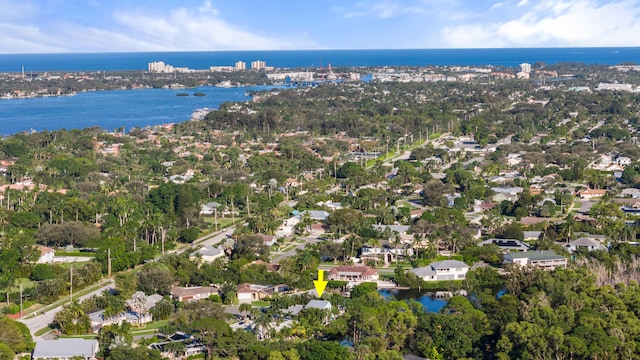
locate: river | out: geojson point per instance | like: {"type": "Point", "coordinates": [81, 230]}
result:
{"type": "Point", "coordinates": [114, 108]}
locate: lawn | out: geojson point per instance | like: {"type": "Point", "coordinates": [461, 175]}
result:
{"type": "Point", "coordinates": [290, 247]}
{"type": "Point", "coordinates": [42, 331]}
{"type": "Point", "coordinates": [222, 222]}
{"type": "Point", "coordinates": [260, 303]}
{"type": "Point", "coordinates": [150, 328]}
{"type": "Point", "coordinates": [88, 337]}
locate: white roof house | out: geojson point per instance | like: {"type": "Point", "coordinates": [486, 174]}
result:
{"type": "Point", "coordinates": [442, 270]}
{"type": "Point", "coordinates": [66, 349]}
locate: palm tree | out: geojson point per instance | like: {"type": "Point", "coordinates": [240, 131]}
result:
{"type": "Point", "coordinates": [245, 309]}
{"type": "Point", "coordinates": [262, 325]}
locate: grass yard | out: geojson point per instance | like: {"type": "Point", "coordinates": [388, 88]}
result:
{"type": "Point", "coordinates": [42, 331]}
{"type": "Point", "coordinates": [88, 337]}
{"type": "Point", "coordinates": [222, 222]}
{"type": "Point", "coordinates": [260, 303]}
{"type": "Point", "coordinates": [150, 328]}
{"type": "Point", "coordinates": [290, 247]}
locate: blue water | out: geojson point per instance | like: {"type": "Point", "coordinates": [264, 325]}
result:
{"type": "Point", "coordinates": [113, 109]}
{"type": "Point", "coordinates": [429, 302]}
{"type": "Point", "coordinates": [317, 58]}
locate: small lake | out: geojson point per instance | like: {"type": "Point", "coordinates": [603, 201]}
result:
{"type": "Point", "coordinates": [428, 299]}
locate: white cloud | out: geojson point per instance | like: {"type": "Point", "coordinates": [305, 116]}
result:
{"type": "Point", "coordinates": [382, 9]}
{"type": "Point", "coordinates": [178, 29]}
{"type": "Point", "coordinates": [523, 3]}
{"type": "Point", "coordinates": [552, 23]}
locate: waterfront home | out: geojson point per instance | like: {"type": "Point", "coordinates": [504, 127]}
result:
{"type": "Point", "coordinates": [312, 304]}
{"type": "Point", "coordinates": [543, 259]}
{"type": "Point", "coordinates": [194, 293]}
{"type": "Point", "coordinates": [66, 349]}
{"type": "Point", "coordinates": [442, 270]}
{"type": "Point", "coordinates": [353, 273]}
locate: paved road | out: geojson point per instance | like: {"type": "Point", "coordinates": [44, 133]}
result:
{"type": "Point", "coordinates": [42, 321]}
{"type": "Point", "coordinates": [307, 241]}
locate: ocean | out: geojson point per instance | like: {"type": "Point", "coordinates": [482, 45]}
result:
{"type": "Point", "coordinates": [317, 58]}
{"type": "Point", "coordinates": [130, 108]}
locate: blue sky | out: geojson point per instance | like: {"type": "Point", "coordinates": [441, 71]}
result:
{"type": "Point", "coordinates": [45, 26]}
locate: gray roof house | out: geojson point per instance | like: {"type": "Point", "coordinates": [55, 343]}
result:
{"type": "Point", "coordinates": [507, 245]}
{"type": "Point", "coordinates": [66, 349]}
{"type": "Point", "coordinates": [585, 243]}
{"type": "Point", "coordinates": [400, 229]}
{"type": "Point", "coordinates": [207, 253]}
{"type": "Point", "coordinates": [318, 215]}
{"type": "Point", "coordinates": [442, 270]}
{"type": "Point", "coordinates": [544, 259]}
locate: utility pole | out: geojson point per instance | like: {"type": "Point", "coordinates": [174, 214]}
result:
{"type": "Point", "coordinates": [233, 216]}
{"type": "Point", "coordinates": [21, 288]}
{"type": "Point", "coordinates": [71, 283]}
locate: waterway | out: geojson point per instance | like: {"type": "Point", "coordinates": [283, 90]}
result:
{"type": "Point", "coordinates": [114, 109]}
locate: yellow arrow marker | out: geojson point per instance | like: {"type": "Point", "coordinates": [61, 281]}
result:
{"type": "Point", "coordinates": [320, 284]}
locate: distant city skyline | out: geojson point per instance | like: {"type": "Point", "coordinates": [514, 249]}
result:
{"type": "Point", "coordinates": [57, 26]}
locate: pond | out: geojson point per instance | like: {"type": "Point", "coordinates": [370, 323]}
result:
{"type": "Point", "coordinates": [428, 298]}
{"type": "Point", "coordinates": [430, 302]}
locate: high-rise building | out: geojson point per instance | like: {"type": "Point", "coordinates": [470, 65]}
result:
{"type": "Point", "coordinates": [258, 65]}
{"type": "Point", "coordinates": [241, 65]}
{"type": "Point", "coordinates": [525, 68]}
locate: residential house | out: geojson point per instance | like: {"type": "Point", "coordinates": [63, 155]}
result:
{"type": "Point", "coordinates": [507, 245]}
{"type": "Point", "coordinates": [210, 208]}
{"type": "Point", "coordinates": [318, 229]}
{"type": "Point", "coordinates": [248, 293]}
{"type": "Point", "coordinates": [63, 349]}
{"type": "Point", "coordinates": [353, 273]}
{"type": "Point", "coordinates": [630, 193]}
{"type": "Point", "coordinates": [451, 198]}
{"type": "Point", "coordinates": [137, 313]}
{"type": "Point", "coordinates": [585, 243]}
{"type": "Point", "coordinates": [317, 215]}
{"type": "Point", "coordinates": [191, 347]}
{"type": "Point", "coordinates": [141, 303]}
{"type": "Point", "coordinates": [588, 194]}
{"type": "Point", "coordinates": [194, 293]}
{"type": "Point", "coordinates": [402, 230]}
{"type": "Point", "coordinates": [313, 304]}
{"type": "Point", "coordinates": [442, 270]}
{"type": "Point", "coordinates": [46, 255]}
{"type": "Point", "coordinates": [268, 240]}
{"type": "Point", "coordinates": [544, 259]}
{"type": "Point", "coordinates": [513, 159]}
{"type": "Point", "coordinates": [532, 235]}
{"type": "Point", "coordinates": [207, 254]}
{"type": "Point", "coordinates": [385, 253]}
{"type": "Point", "coordinates": [623, 161]}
